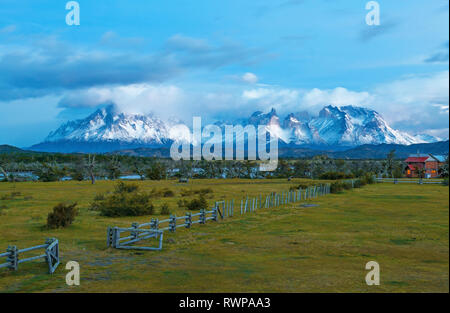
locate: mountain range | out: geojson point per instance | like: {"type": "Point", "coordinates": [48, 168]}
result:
{"type": "Point", "coordinates": [334, 128]}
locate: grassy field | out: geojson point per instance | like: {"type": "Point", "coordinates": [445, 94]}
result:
{"type": "Point", "coordinates": [404, 227]}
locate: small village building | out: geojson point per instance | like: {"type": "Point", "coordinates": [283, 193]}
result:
{"type": "Point", "coordinates": [413, 162]}
{"type": "Point", "coordinates": [431, 164]}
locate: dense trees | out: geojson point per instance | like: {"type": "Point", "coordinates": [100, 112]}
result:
{"type": "Point", "coordinates": [443, 169]}
{"type": "Point", "coordinates": [51, 167]}
{"type": "Point", "coordinates": [156, 171]}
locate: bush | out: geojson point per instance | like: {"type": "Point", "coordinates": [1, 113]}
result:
{"type": "Point", "coordinates": [194, 204]}
{"type": "Point", "coordinates": [203, 191]}
{"type": "Point", "coordinates": [77, 175]}
{"type": "Point", "coordinates": [168, 193]}
{"type": "Point", "coordinates": [335, 175]}
{"type": "Point", "coordinates": [302, 186]}
{"type": "Point", "coordinates": [367, 178]}
{"type": "Point", "coordinates": [62, 216]}
{"type": "Point", "coordinates": [197, 204]}
{"type": "Point", "coordinates": [126, 200]}
{"type": "Point", "coordinates": [336, 187]}
{"type": "Point", "coordinates": [122, 187]}
{"type": "Point", "coordinates": [346, 185]}
{"type": "Point", "coordinates": [182, 203]}
{"type": "Point", "coordinates": [11, 196]}
{"type": "Point", "coordinates": [156, 172]}
{"type": "Point", "coordinates": [186, 193]}
{"type": "Point", "coordinates": [126, 204]}
{"type": "Point", "coordinates": [99, 196]}
{"type": "Point", "coordinates": [165, 209]}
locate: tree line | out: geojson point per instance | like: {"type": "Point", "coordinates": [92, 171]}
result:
{"type": "Point", "coordinates": [54, 167]}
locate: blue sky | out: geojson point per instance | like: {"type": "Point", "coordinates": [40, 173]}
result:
{"type": "Point", "coordinates": [221, 59]}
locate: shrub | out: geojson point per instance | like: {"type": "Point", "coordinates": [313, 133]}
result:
{"type": "Point", "coordinates": [165, 209]}
{"type": "Point", "coordinates": [197, 204]}
{"type": "Point", "coordinates": [95, 205]}
{"type": "Point", "coordinates": [126, 200]}
{"type": "Point", "coordinates": [11, 195]}
{"type": "Point", "coordinates": [77, 174]}
{"type": "Point", "coordinates": [62, 216]}
{"type": "Point", "coordinates": [302, 186]}
{"type": "Point", "coordinates": [182, 203]}
{"type": "Point", "coordinates": [336, 187]}
{"type": "Point", "coordinates": [156, 172]}
{"type": "Point", "coordinates": [346, 185]}
{"type": "Point", "coordinates": [126, 204]}
{"type": "Point", "coordinates": [367, 178]}
{"type": "Point", "coordinates": [194, 204]}
{"type": "Point", "coordinates": [186, 193]}
{"type": "Point", "coordinates": [202, 191]}
{"type": "Point", "coordinates": [122, 187]}
{"type": "Point", "coordinates": [168, 193]}
{"type": "Point", "coordinates": [49, 173]}
{"type": "Point", "coordinates": [99, 196]}
{"type": "Point", "coordinates": [335, 175]}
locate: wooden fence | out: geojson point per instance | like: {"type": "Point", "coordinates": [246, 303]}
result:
{"type": "Point", "coordinates": [225, 209]}
{"type": "Point", "coordinates": [51, 255]}
{"type": "Point", "coordinates": [153, 229]}
{"type": "Point", "coordinates": [409, 181]}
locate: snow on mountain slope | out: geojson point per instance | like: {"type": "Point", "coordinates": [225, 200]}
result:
{"type": "Point", "coordinates": [343, 126]}
{"type": "Point", "coordinates": [107, 125]}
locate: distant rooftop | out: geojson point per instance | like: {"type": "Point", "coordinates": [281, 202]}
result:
{"type": "Point", "coordinates": [417, 159]}
{"type": "Point", "coordinates": [419, 155]}
{"type": "Point", "coordinates": [439, 158]}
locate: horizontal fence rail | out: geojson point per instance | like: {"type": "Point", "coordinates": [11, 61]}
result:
{"type": "Point", "coordinates": [409, 181]}
{"type": "Point", "coordinates": [153, 229]}
{"type": "Point", "coordinates": [50, 255]}
{"type": "Point", "coordinates": [223, 209]}
{"type": "Point", "coordinates": [272, 200]}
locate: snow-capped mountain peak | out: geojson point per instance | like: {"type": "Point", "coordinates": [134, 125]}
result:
{"type": "Point", "coordinates": [343, 126]}
{"type": "Point", "coordinates": [108, 125]}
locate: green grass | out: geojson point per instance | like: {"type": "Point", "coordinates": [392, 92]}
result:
{"type": "Point", "coordinates": [403, 227]}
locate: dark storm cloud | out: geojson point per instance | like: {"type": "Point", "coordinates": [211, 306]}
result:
{"type": "Point", "coordinates": [49, 67]}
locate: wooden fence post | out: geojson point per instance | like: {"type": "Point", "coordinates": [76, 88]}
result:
{"type": "Point", "coordinates": [134, 233]}
{"type": "Point", "coordinates": [109, 237]}
{"type": "Point", "coordinates": [13, 257]}
{"type": "Point", "coordinates": [172, 223]}
{"type": "Point", "coordinates": [116, 236]}
{"type": "Point", "coordinates": [154, 224]}
{"type": "Point", "coordinates": [202, 216]}
{"type": "Point", "coordinates": [188, 219]}
{"type": "Point", "coordinates": [52, 254]}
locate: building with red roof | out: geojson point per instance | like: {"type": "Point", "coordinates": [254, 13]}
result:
{"type": "Point", "coordinates": [429, 162]}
